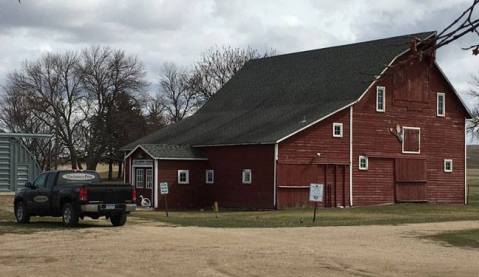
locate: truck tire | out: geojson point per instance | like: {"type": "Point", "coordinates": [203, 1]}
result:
{"type": "Point", "coordinates": [118, 219]}
{"type": "Point", "coordinates": [21, 213]}
{"type": "Point", "coordinates": [69, 215]}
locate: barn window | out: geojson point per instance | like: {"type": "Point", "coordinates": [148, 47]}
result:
{"type": "Point", "coordinates": [183, 176]}
{"type": "Point", "coordinates": [210, 176]}
{"type": "Point", "coordinates": [149, 178]}
{"type": "Point", "coordinates": [246, 176]}
{"type": "Point", "coordinates": [441, 104]}
{"type": "Point", "coordinates": [411, 142]}
{"type": "Point", "coordinates": [140, 177]}
{"type": "Point", "coordinates": [338, 130]}
{"type": "Point", "coordinates": [447, 165]}
{"type": "Point", "coordinates": [363, 163]}
{"type": "Point", "coordinates": [380, 99]}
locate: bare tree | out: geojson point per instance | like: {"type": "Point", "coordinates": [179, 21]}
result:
{"type": "Point", "coordinates": [16, 116]}
{"type": "Point", "coordinates": [177, 98]}
{"type": "Point", "coordinates": [105, 75]}
{"type": "Point", "coordinates": [217, 66]}
{"type": "Point", "coordinates": [51, 87]}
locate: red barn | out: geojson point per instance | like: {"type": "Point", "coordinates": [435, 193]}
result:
{"type": "Point", "coordinates": [372, 121]}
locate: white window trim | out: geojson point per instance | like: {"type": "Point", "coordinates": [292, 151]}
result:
{"type": "Point", "coordinates": [149, 186]}
{"type": "Point", "coordinates": [212, 175]}
{"type": "Point", "coordinates": [404, 139]}
{"type": "Point", "coordinates": [139, 175]}
{"type": "Point", "coordinates": [243, 176]}
{"type": "Point", "coordinates": [443, 95]}
{"type": "Point", "coordinates": [448, 161]}
{"type": "Point", "coordinates": [359, 162]}
{"type": "Point", "coordinates": [187, 176]}
{"type": "Point", "coordinates": [383, 89]}
{"type": "Point", "coordinates": [340, 130]}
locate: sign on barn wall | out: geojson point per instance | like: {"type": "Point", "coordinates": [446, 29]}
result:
{"type": "Point", "coordinates": [316, 192]}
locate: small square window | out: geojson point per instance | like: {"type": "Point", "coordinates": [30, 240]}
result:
{"type": "Point", "coordinates": [380, 99]}
{"type": "Point", "coordinates": [447, 165]}
{"type": "Point", "coordinates": [183, 176]}
{"type": "Point", "coordinates": [441, 104]}
{"type": "Point", "coordinates": [338, 130]}
{"type": "Point", "coordinates": [210, 176]}
{"type": "Point", "coordinates": [363, 163]}
{"type": "Point", "coordinates": [247, 176]}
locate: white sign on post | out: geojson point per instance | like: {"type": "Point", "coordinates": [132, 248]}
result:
{"type": "Point", "coordinates": [163, 188]}
{"type": "Point", "coordinates": [316, 192]}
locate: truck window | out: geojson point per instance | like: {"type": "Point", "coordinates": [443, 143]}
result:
{"type": "Point", "coordinates": [40, 181]}
{"type": "Point", "coordinates": [51, 180]}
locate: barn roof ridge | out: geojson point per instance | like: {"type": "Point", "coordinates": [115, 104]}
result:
{"type": "Point", "coordinates": [274, 97]}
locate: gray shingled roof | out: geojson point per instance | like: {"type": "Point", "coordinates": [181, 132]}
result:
{"type": "Point", "coordinates": [270, 98]}
{"type": "Point", "coordinates": [166, 151]}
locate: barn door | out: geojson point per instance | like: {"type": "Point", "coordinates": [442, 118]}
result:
{"type": "Point", "coordinates": [410, 179]}
{"type": "Point", "coordinates": [144, 186]}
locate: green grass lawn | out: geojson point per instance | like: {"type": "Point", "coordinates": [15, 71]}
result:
{"type": "Point", "coordinates": [391, 214]}
{"type": "Point", "coordinates": [383, 215]}
{"type": "Point", "coordinates": [463, 238]}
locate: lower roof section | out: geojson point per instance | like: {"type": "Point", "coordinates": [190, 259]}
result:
{"type": "Point", "coordinates": [170, 152]}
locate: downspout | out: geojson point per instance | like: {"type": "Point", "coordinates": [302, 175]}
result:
{"type": "Point", "coordinates": [155, 182]}
{"type": "Point", "coordinates": [351, 156]}
{"type": "Point", "coordinates": [275, 161]}
{"type": "Point", "coordinates": [465, 163]}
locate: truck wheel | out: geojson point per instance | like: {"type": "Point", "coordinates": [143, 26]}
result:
{"type": "Point", "coordinates": [69, 215]}
{"type": "Point", "coordinates": [21, 213]}
{"type": "Point", "coordinates": [118, 219]}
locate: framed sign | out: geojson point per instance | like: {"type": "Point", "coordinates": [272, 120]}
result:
{"type": "Point", "coordinates": [316, 192]}
{"type": "Point", "coordinates": [163, 188]}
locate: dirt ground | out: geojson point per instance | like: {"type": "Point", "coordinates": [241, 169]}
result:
{"type": "Point", "coordinates": [149, 249]}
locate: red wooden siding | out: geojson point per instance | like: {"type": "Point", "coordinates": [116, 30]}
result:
{"type": "Point", "coordinates": [182, 196]}
{"type": "Point", "coordinates": [410, 101]}
{"type": "Point", "coordinates": [299, 164]}
{"type": "Point", "coordinates": [228, 163]}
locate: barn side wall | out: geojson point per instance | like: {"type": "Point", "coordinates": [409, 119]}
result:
{"type": "Point", "coordinates": [299, 165]}
{"type": "Point", "coordinates": [228, 163]}
{"type": "Point", "coordinates": [411, 93]}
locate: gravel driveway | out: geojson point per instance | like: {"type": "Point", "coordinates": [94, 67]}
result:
{"type": "Point", "coordinates": [146, 249]}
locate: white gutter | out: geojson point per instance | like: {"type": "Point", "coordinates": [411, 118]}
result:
{"type": "Point", "coordinates": [351, 156]}
{"type": "Point", "coordinates": [155, 182]}
{"type": "Point", "coordinates": [275, 161]}
{"type": "Point", "coordinates": [465, 163]}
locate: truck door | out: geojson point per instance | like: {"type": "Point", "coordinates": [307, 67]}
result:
{"type": "Point", "coordinates": [38, 200]}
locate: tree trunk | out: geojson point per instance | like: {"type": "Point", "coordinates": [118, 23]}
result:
{"type": "Point", "coordinates": [120, 170]}
{"type": "Point", "coordinates": [110, 170]}
{"type": "Point", "coordinates": [91, 163]}
{"type": "Point", "coordinates": [73, 157]}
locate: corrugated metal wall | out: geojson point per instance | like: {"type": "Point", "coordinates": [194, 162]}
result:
{"type": "Point", "coordinates": [16, 164]}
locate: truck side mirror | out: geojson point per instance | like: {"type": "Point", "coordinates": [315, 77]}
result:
{"type": "Point", "coordinates": [29, 185]}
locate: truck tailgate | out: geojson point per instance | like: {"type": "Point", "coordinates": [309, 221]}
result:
{"type": "Point", "coordinates": [109, 193]}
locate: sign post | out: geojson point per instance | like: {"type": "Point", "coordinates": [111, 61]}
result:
{"type": "Point", "coordinates": [316, 192]}
{"type": "Point", "coordinates": [164, 191]}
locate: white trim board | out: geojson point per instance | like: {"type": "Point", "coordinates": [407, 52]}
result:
{"type": "Point", "coordinates": [404, 139]}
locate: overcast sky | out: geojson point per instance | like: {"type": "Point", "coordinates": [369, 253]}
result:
{"type": "Point", "coordinates": [179, 31]}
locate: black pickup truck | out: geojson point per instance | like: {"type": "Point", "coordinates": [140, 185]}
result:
{"type": "Point", "coordinates": [73, 195]}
